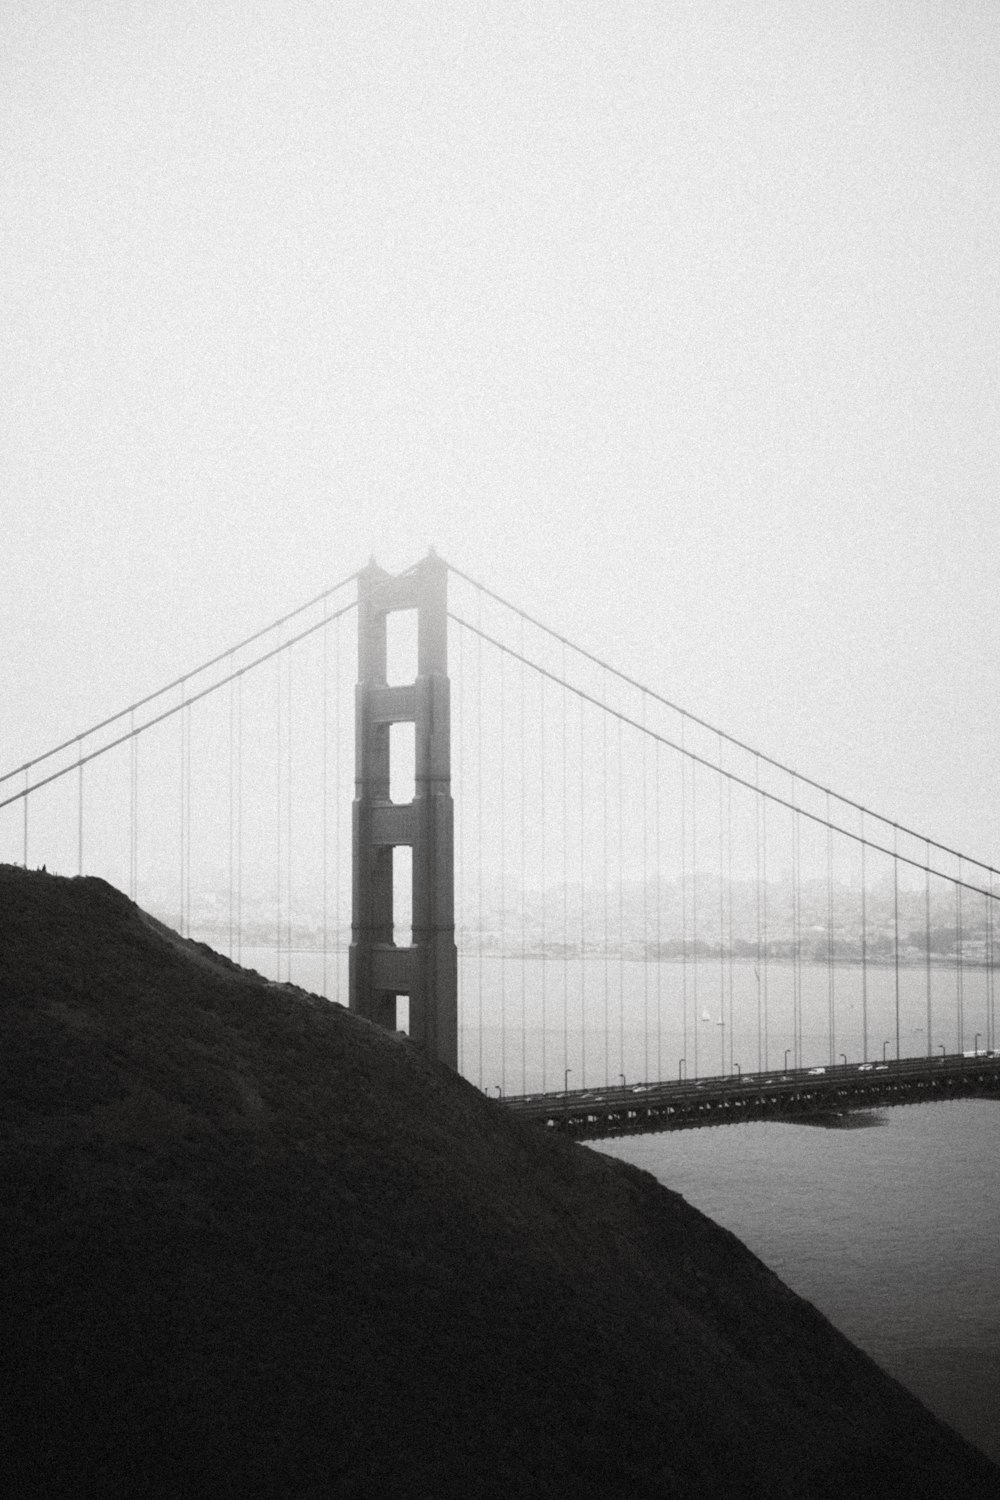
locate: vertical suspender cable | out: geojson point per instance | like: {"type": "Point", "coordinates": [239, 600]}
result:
{"type": "Point", "coordinates": [684, 945]}
{"type": "Point", "coordinates": [659, 920]}
{"type": "Point", "coordinates": [757, 889]}
{"type": "Point", "coordinates": [959, 965]}
{"type": "Point", "coordinates": [25, 815]}
{"type": "Point", "coordinates": [479, 832]}
{"type": "Point", "coordinates": [79, 807]}
{"type": "Point", "coordinates": [460, 876]}
{"type": "Point", "coordinates": [722, 919]}
{"type": "Point", "coordinates": [133, 745]}
{"type": "Point", "coordinates": [523, 869]}
{"type": "Point", "coordinates": [621, 903]}
{"type": "Point", "coordinates": [895, 925]}
{"type": "Point", "coordinates": [583, 914]}
{"type": "Point", "coordinates": [231, 745]}
{"type": "Point", "coordinates": [339, 798]}
{"type": "Point", "coordinates": [564, 716]}
{"type": "Point", "coordinates": [694, 907]}
{"type": "Point", "coordinates": [503, 881]}
{"type": "Point", "coordinates": [645, 897]}
{"type": "Point", "coordinates": [288, 817]}
{"type": "Point", "coordinates": [187, 814]}
{"type": "Point", "coordinates": [324, 795]}
{"type": "Point", "coordinates": [605, 869]}
{"type": "Point", "coordinates": [798, 933]}
{"type": "Point", "coordinates": [990, 1008]}
{"type": "Point", "coordinates": [796, 969]}
{"type": "Point", "coordinates": [795, 939]}
{"type": "Point", "coordinates": [729, 933]}
{"type": "Point", "coordinates": [279, 822]}
{"type": "Point", "coordinates": [185, 821]}
{"type": "Point", "coordinates": [180, 725]}
{"type": "Point", "coordinates": [765, 956]}
{"type": "Point", "coordinates": [990, 1028]}
{"type": "Point", "coordinates": [239, 819]}
{"type": "Point", "coordinates": [135, 845]}
{"type": "Point", "coordinates": [831, 1001]}
{"type": "Point", "coordinates": [927, 948]}
{"type": "Point", "coordinates": [541, 811]}
{"type": "Point", "coordinates": [864, 947]}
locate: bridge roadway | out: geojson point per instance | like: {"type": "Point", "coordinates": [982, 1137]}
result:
{"type": "Point", "coordinates": [817, 1096]}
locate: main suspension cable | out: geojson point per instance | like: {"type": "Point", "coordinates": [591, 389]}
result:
{"type": "Point", "coordinates": [699, 760]}
{"type": "Point", "coordinates": [160, 718]}
{"type": "Point", "coordinates": [132, 708]}
{"type": "Point", "coordinates": [712, 729]}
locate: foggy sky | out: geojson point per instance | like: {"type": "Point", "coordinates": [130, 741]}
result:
{"type": "Point", "coordinates": [675, 323]}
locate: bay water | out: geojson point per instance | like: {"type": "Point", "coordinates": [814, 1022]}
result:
{"type": "Point", "coordinates": [892, 1232]}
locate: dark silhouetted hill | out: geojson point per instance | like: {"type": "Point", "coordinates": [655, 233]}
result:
{"type": "Point", "coordinates": [253, 1246]}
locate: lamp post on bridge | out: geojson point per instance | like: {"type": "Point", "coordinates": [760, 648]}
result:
{"type": "Point", "coordinates": [787, 1050]}
{"type": "Point", "coordinates": [884, 1045]}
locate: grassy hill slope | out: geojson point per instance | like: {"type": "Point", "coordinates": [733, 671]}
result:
{"type": "Point", "coordinates": [253, 1246]}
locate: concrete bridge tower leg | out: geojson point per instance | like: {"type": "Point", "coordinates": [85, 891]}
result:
{"type": "Point", "coordinates": [427, 971]}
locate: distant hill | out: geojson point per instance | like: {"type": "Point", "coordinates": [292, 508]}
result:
{"type": "Point", "coordinates": [254, 1246]}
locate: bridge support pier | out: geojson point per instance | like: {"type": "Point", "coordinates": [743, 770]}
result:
{"type": "Point", "coordinates": [426, 971]}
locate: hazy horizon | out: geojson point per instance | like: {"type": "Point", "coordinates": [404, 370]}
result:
{"type": "Point", "coordinates": [677, 325]}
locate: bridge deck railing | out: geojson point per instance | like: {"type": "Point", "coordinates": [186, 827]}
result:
{"type": "Point", "coordinates": [805, 1093]}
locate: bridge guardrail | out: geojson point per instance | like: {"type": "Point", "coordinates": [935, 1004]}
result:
{"type": "Point", "coordinates": [835, 1089]}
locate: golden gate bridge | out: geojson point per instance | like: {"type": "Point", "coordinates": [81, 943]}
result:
{"type": "Point", "coordinates": [413, 797]}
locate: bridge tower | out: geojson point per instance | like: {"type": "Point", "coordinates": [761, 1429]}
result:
{"type": "Point", "coordinates": [427, 971]}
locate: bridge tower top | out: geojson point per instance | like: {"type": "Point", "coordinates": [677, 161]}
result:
{"type": "Point", "coordinates": [423, 588]}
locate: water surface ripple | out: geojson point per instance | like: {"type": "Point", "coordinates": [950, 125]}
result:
{"type": "Point", "coordinates": [893, 1233]}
